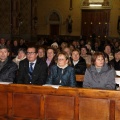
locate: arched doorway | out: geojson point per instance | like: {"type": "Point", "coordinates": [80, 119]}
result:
{"type": "Point", "coordinates": [54, 22]}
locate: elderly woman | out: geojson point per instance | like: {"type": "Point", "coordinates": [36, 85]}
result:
{"type": "Point", "coordinates": [85, 55]}
{"type": "Point", "coordinates": [99, 75]}
{"type": "Point", "coordinates": [116, 61]}
{"type": "Point", "coordinates": [108, 50]}
{"type": "Point", "coordinates": [62, 73]}
{"type": "Point", "coordinates": [50, 60]}
{"type": "Point", "coordinates": [41, 53]}
{"type": "Point", "coordinates": [21, 56]}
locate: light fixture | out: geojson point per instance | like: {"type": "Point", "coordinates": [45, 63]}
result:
{"type": "Point", "coordinates": [95, 5]}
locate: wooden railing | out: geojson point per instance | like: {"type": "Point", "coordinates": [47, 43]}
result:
{"type": "Point", "coordinates": [29, 102]}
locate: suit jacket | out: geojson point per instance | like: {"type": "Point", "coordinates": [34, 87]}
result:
{"type": "Point", "coordinates": [8, 72]}
{"type": "Point", "coordinates": [39, 74]}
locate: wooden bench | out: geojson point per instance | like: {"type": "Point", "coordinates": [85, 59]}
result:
{"type": "Point", "coordinates": [30, 102]}
{"type": "Point", "coordinates": [79, 78]}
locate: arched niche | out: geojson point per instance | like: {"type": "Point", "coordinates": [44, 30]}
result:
{"type": "Point", "coordinates": [54, 17]}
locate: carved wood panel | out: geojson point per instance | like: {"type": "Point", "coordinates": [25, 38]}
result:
{"type": "Point", "coordinates": [93, 109]}
{"type": "Point", "coordinates": [58, 106]}
{"type": "Point", "coordinates": [21, 110]}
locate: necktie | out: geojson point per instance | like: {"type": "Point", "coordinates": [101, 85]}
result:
{"type": "Point", "coordinates": [31, 68]}
{"type": "Point", "coordinates": [31, 71]}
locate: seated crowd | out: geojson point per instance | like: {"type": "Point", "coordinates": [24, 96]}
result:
{"type": "Point", "coordinates": [58, 63]}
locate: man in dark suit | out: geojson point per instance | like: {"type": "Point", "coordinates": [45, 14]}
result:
{"type": "Point", "coordinates": [8, 68]}
{"type": "Point", "coordinates": [32, 70]}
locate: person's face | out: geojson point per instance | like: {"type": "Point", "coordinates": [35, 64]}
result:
{"type": "Point", "coordinates": [50, 54]}
{"type": "Point", "coordinates": [107, 50]}
{"type": "Point", "coordinates": [96, 44]}
{"type": "Point", "coordinates": [63, 45]}
{"type": "Point", "coordinates": [21, 41]}
{"type": "Point", "coordinates": [31, 54]}
{"type": "Point", "coordinates": [62, 60]}
{"type": "Point", "coordinates": [75, 55]}
{"type": "Point", "coordinates": [21, 55]}
{"type": "Point", "coordinates": [67, 50]}
{"type": "Point", "coordinates": [83, 51]}
{"type": "Point", "coordinates": [15, 43]}
{"type": "Point", "coordinates": [41, 53]}
{"type": "Point", "coordinates": [81, 42]}
{"type": "Point", "coordinates": [74, 43]}
{"type": "Point", "coordinates": [3, 54]}
{"type": "Point", "coordinates": [54, 46]}
{"type": "Point", "coordinates": [8, 42]}
{"type": "Point", "coordinates": [2, 41]}
{"type": "Point", "coordinates": [88, 47]}
{"type": "Point", "coordinates": [117, 56]}
{"type": "Point", "coordinates": [99, 61]}
{"type": "Point", "coordinates": [116, 44]}
{"type": "Point", "coordinates": [71, 48]}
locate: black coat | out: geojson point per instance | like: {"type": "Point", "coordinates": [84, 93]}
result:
{"type": "Point", "coordinates": [80, 67]}
{"type": "Point", "coordinates": [59, 76]}
{"type": "Point", "coordinates": [115, 64]}
{"type": "Point", "coordinates": [8, 72]}
{"type": "Point", "coordinates": [39, 74]}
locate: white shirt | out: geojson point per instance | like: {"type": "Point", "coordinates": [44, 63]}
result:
{"type": "Point", "coordinates": [75, 62]}
{"type": "Point", "coordinates": [33, 64]}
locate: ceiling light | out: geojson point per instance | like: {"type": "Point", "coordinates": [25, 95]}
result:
{"type": "Point", "coordinates": [95, 5]}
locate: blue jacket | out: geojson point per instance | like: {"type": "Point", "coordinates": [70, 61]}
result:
{"type": "Point", "coordinates": [59, 76]}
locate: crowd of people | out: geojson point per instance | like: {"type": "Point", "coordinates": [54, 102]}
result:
{"type": "Point", "coordinates": [58, 62]}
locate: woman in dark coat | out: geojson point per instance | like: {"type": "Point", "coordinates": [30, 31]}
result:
{"type": "Point", "coordinates": [78, 63]}
{"type": "Point", "coordinates": [99, 75]}
{"type": "Point", "coordinates": [116, 61]}
{"type": "Point", "coordinates": [62, 73]}
{"type": "Point", "coordinates": [50, 60]}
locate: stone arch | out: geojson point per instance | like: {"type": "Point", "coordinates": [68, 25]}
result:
{"type": "Point", "coordinates": [54, 17]}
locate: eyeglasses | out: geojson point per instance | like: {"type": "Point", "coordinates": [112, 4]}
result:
{"type": "Point", "coordinates": [61, 59]}
{"type": "Point", "coordinates": [31, 53]}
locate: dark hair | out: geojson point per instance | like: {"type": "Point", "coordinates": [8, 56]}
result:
{"type": "Point", "coordinates": [42, 48]}
{"type": "Point", "coordinates": [116, 51]}
{"type": "Point", "coordinates": [33, 47]}
{"type": "Point", "coordinates": [51, 49]}
{"type": "Point", "coordinates": [85, 48]}
{"type": "Point", "coordinates": [23, 50]}
{"type": "Point", "coordinates": [4, 47]}
{"type": "Point", "coordinates": [95, 55]}
{"type": "Point", "coordinates": [76, 50]}
{"type": "Point", "coordinates": [106, 45]}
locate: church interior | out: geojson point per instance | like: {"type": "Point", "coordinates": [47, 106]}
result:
{"type": "Point", "coordinates": [31, 19]}
{"type": "Point", "coordinates": [69, 24]}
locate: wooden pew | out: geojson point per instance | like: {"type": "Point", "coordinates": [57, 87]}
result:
{"type": "Point", "coordinates": [79, 78]}
{"type": "Point", "coordinates": [29, 102]}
